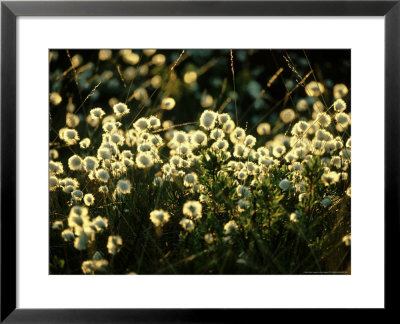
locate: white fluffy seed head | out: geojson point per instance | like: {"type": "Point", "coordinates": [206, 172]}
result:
{"type": "Point", "coordinates": [342, 119]}
{"type": "Point", "coordinates": [141, 124]}
{"type": "Point", "coordinates": [284, 184]}
{"type": "Point", "coordinates": [69, 136]}
{"type": "Point", "coordinates": [144, 160]}
{"type": "Point", "coordinates": [190, 179]}
{"type": "Point", "coordinates": [97, 112]}
{"type": "Point", "coordinates": [237, 135]}
{"type": "Point", "coordinates": [207, 119]}
{"type": "Point", "coordinates": [114, 244]}
{"type": "Point", "coordinates": [223, 118]}
{"type": "Point", "coordinates": [250, 141]}
{"type": "Point", "coordinates": [187, 224]}
{"type": "Point", "coordinates": [264, 129]}
{"type": "Point", "coordinates": [339, 105]}
{"type": "Point", "coordinates": [75, 163]}
{"type": "Point", "coordinates": [287, 115]}
{"type": "Point", "coordinates": [230, 227]}
{"type": "Point", "coordinates": [88, 199]}
{"type": "Point", "coordinates": [154, 122]}
{"type": "Point", "coordinates": [120, 109]}
{"type": "Point", "coordinates": [102, 175]}
{"type": "Point", "coordinates": [192, 209]}
{"type": "Point", "coordinates": [217, 133]}
{"type": "Point", "coordinates": [323, 119]}
{"type": "Point", "coordinates": [123, 187]}
{"type": "Point", "coordinates": [243, 205]}
{"type": "Point", "coordinates": [168, 103]}
{"type": "Point", "coordinates": [340, 90]}
{"type": "Point", "coordinates": [159, 217]}
{"type": "Point", "coordinates": [314, 89]}
{"type": "Point", "coordinates": [90, 163]}
{"type": "Point", "coordinates": [56, 167]}
{"type": "Point", "coordinates": [198, 138]}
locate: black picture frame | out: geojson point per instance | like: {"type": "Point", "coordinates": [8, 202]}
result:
{"type": "Point", "coordinates": [10, 10]}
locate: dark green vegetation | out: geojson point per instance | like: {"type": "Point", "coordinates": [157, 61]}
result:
{"type": "Point", "coordinates": [277, 206]}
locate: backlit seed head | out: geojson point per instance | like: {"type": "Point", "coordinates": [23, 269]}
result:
{"type": "Point", "coordinates": [120, 109]}
{"type": "Point", "coordinates": [159, 217]}
{"type": "Point", "coordinates": [192, 209]}
{"type": "Point", "coordinates": [123, 187]}
{"type": "Point", "coordinates": [287, 115]}
{"type": "Point", "coordinates": [208, 119]}
{"type": "Point", "coordinates": [75, 163]}
{"type": "Point", "coordinates": [264, 129]}
{"type": "Point", "coordinates": [168, 103]}
{"type": "Point", "coordinates": [88, 199]}
{"type": "Point", "coordinates": [284, 184]}
{"type": "Point", "coordinates": [114, 244]}
{"type": "Point", "coordinates": [339, 105]}
{"type": "Point", "coordinates": [314, 89]}
{"type": "Point", "coordinates": [230, 227]}
{"type": "Point", "coordinates": [187, 224]}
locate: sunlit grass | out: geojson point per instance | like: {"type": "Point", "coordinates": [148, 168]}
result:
{"type": "Point", "coordinates": [183, 162]}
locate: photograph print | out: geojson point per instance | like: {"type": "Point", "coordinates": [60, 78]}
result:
{"type": "Point", "coordinates": [199, 161]}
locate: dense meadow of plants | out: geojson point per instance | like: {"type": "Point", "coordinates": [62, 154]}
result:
{"type": "Point", "coordinates": [199, 161]}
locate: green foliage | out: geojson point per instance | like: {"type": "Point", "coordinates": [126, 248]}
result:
{"type": "Point", "coordinates": [280, 217]}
